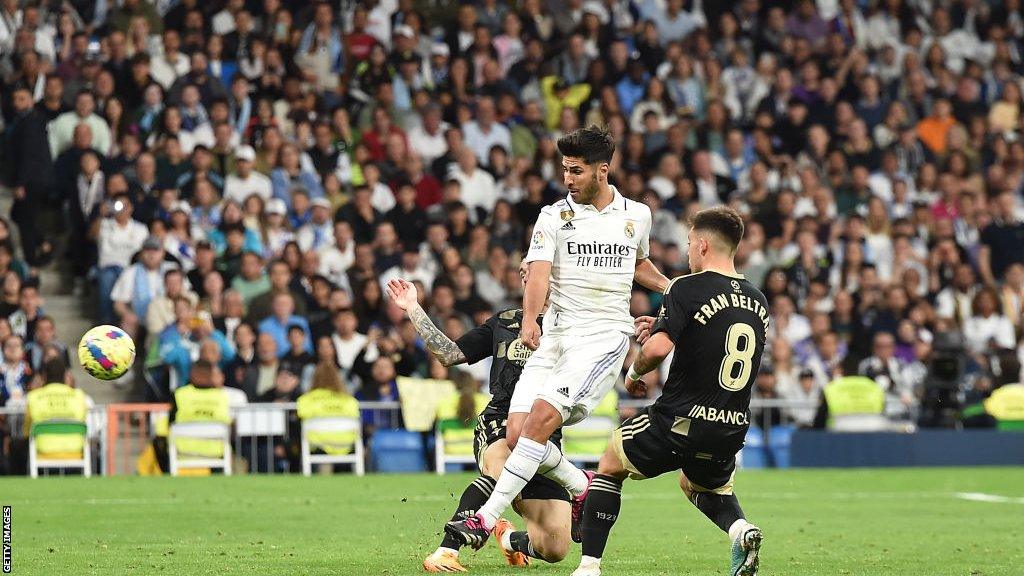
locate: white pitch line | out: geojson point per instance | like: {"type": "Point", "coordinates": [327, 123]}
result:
{"type": "Point", "coordinates": [982, 497]}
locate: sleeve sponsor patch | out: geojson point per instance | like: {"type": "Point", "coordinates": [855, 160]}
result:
{"type": "Point", "coordinates": [538, 240]}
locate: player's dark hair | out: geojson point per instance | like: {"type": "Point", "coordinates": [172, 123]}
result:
{"type": "Point", "coordinates": [723, 221]}
{"type": "Point", "coordinates": [593, 144]}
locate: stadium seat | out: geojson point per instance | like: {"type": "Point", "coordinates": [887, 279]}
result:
{"type": "Point", "coordinates": [199, 431]}
{"type": "Point", "coordinates": [453, 439]}
{"type": "Point", "coordinates": [59, 427]}
{"type": "Point", "coordinates": [397, 451]}
{"type": "Point", "coordinates": [451, 447]}
{"type": "Point", "coordinates": [779, 440]}
{"type": "Point", "coordinates": [332, 424]}
{"type": "Point", "coordinates": [753, 454]}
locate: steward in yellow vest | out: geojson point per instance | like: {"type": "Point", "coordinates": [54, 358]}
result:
{"type": "Point", "coordinates": [456, 419]}
{"type": "Point", "coordinates": [850, 397]}
{"type": "Point", "coordinates": [1006, 405]}
{"type": "Point", "coordinates": [56, 401]}
{"type": "Point", "coordinates": [202, 400]}
{"type": "Point", "coordinates": [328, 397]}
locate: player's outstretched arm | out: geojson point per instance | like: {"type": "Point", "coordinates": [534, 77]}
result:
{"type": "Point", "coordinates": [648, 276]}
{"type": "Point", "coordinates": [403, 294]}
{"type": "Point", "coordinates": [651, 355]}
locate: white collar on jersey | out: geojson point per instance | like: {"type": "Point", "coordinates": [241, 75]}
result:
{"type": "Point", "coordinates": [618, 202]}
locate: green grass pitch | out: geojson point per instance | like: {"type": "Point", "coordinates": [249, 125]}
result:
{"type": "Point", "coordinates": [901, 522]}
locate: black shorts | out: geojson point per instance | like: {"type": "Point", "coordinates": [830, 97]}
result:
{"type": "Point", "coordinates": [491, 428]}
{"type": "Point", "coordinates": [646, 453]}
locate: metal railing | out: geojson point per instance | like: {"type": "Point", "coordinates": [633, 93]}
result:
{"type": "Point", "coordinates": [265, 436]}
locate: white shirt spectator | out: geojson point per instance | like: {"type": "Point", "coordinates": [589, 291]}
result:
{"type": "Point", "coordinates": [481, 140]}
{"type": "Point", "coordinates": [165, 71]}
{"type": "Point", "coordinates": [478, 189]}
{"type": "Point", "coordinates": [335, 262]}
{"type": "Point", "coordinates": [490, 288]}
{"type": "Point", "coordinates": [312, 236]}
{"type": "Point", "coordinates": [382, 198]}
{"type": "Point", "coordinates": [62, 132]}
{"type": "Point", "coordinates": [979, 331]}
{"type": "Point", "coordinates": [117, 244]}
{"type": "Point", "coordinates": [951, 303]}
{"type": "Point", "coordinates": [795, 329]}
{"type": "Point", "coordinates": [420, 273]}
{"type": "Point", "coordinates": [349, 349]}
{"type": "Point", "coordinates": [429, 147]}
{"type": "Point", "coordinates": [238, 189]}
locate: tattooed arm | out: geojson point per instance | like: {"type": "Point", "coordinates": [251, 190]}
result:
{"type": "Point", "coordinates": [441, 346]}
{"type": "Point", "coordinates": [403, 294]}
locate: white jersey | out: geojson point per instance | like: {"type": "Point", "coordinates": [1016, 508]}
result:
{"type": "Point", "coordinates": [593, 259]}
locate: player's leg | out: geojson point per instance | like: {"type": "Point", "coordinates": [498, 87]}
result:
{"type": "Point", "coordinates": [634, 451]}
{"type": "Point", "coordinates": [547, 529]}
{"type": "Point", "coordinates": [592, 365]}
{"type": "Point", "coordinates": [532, 452]}
{"type": "Point", "coordinates": [515, 426]}
{"type": "Point", "coordinates": [491, 452]}
{"type": "Point", "coordinates": [540, 422]}
{"type": "Point", "coordinates": [722, 507]}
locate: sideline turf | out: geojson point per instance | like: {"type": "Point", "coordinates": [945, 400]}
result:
{"type": "Point", "coordinates": [901, 522]}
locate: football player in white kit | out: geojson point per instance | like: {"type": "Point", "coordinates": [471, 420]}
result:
{"type": "Point", "coordinates": [587, 249]}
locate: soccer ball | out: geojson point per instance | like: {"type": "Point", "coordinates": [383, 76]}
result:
{"type": "Point", "coordinates": [106, 352]}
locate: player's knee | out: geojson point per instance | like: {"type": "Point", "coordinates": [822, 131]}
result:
{"type": "Point", "coordinates": [610, 465]}
{"type": "Point", "coordinates": [553, 546]}
{"type": "Point", "coordinates": [542, 422]}
{"type": "Point", "coordinates": [686, 487]}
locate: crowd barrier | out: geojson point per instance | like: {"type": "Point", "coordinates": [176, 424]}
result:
{"type": "Point", "coordinates": [120, 433]}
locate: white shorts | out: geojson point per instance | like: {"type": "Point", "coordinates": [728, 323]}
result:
{"type": "Point", "coordinates": [572, 372]}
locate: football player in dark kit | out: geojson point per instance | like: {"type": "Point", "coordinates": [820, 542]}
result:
{"type": "Point", "coordinates": [545, 503]}
{"type": "Point", "coordinates": [716, 322]}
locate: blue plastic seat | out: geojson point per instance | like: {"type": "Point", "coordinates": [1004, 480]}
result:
{"type": "Point", "coordinates": [398, 451]}
{"type": "Point", "coordinates": [779, 440]}
{"type": "Point", "coordinates": [753, 453]}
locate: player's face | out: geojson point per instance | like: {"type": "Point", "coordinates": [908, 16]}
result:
{"type": "Point", "coordinates": [581, 179]}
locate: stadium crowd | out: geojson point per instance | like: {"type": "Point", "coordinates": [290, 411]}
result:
{"type": "Point", "coordinates": [238, 179]}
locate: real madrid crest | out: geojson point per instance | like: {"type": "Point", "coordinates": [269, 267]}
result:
{"type": "Point", "coordinates": [629, 229]}
{"type": "Point", "coordinates": [567, 215]}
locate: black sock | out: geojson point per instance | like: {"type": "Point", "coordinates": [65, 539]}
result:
{"type": "Point", "coordinates": [722, 510]}
{"type": "Point", "coordinates": [600, 513]}
{"type": "Point", "coordinates": [520, 542]}
{"type": "Point", "coordinates": [474, 496]}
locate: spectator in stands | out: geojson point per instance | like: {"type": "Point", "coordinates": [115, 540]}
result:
{"type": "Point", "coordinates": [45, 339]}
{"type": "Point", "coordinates": [23, 320]}
{"type": "Point", "coordinates": [15, 372]}
{"type": "Point", "coordinates": [119, 237]}
{"type": "Point", "coordinates": [888, 372]}
{"type": "Point", "coordinates": [138, 285]}
{"type": "Point", "coordinates": [31, 173]}
{"type": "Point", "coordinates": [160, 313]}
{"type": "Point", "coordinates": [282, 317]}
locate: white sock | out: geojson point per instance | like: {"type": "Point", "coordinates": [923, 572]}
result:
{"type": "Point", "coordinates": [441, 550]}
{"type": "Point", "coordinates": [520, 466]}
{"type": "Point", "coordinates": [556, 467]}
{"type": "Point", "coordinates": [590, 561]}
{"type": "Point", "coordinates": [737, 528]}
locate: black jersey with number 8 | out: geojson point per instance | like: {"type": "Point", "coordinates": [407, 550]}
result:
{"type": "Point", "coordinates": [718, 324]}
